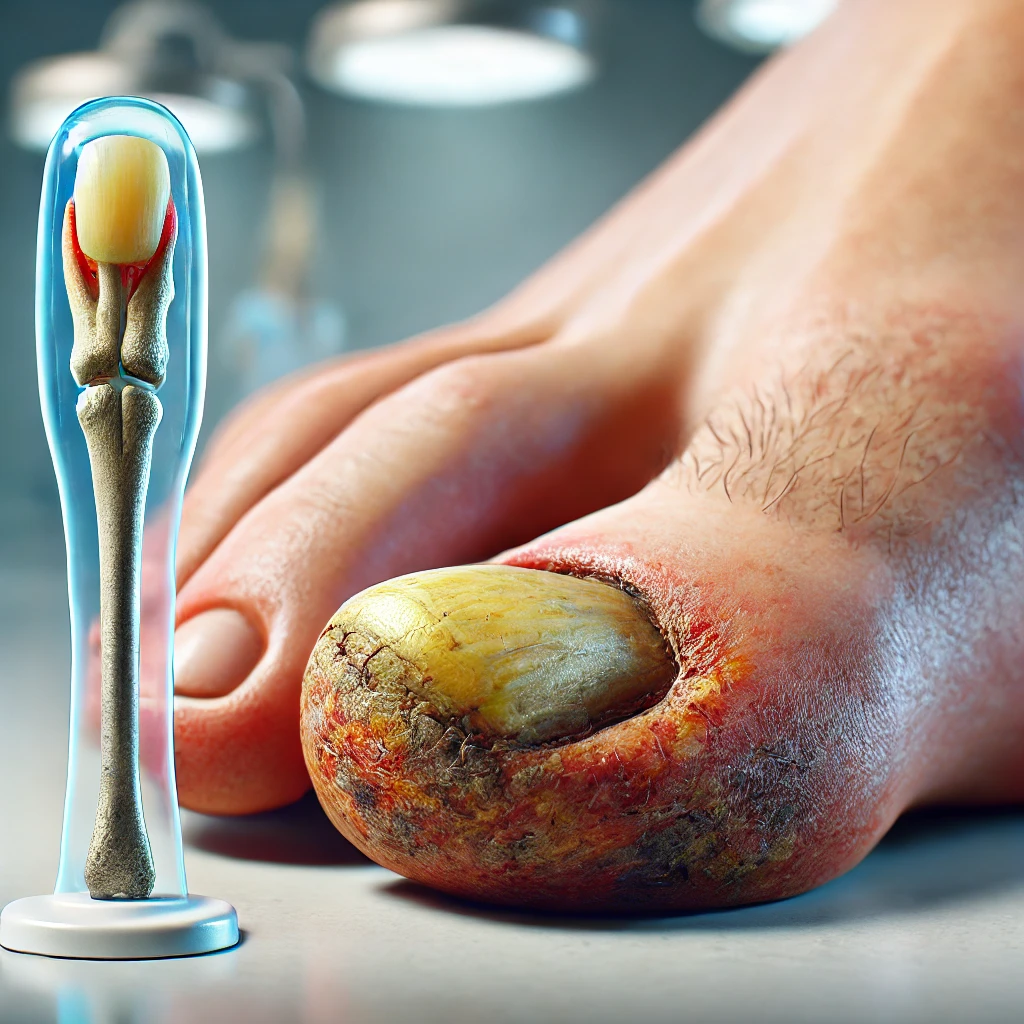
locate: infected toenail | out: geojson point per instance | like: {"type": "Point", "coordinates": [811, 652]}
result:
{"type": "Point", "coordinates": [504, 653]}
{"type": "Point", "coordinates": [214, 652]}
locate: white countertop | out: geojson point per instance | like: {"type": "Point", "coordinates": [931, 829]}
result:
{"type": "Point", "coordinates": [929, 928]}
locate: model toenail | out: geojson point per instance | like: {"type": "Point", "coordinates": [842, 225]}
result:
{"type": "Point", "coordinates": [214, 652]}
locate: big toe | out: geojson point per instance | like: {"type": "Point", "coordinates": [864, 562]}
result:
{"type": "Point", "coordinates": [522, 739]}
{"type": "Point", "coordinates": [656, 732]}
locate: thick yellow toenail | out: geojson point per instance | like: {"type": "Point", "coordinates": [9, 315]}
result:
{"type": "Point", "coordinates": [506, 653]}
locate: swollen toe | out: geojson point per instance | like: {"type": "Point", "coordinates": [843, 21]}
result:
{"type": "Point", "coordinates": [527, 737]}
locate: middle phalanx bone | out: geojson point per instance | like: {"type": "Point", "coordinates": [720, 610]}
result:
{"type": "Point", "coordinates": [119, 416]}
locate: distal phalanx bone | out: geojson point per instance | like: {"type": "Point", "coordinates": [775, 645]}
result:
{"type": "Point", "coordinates": [119, 356]}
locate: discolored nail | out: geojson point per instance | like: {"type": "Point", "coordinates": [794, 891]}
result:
{"type": "Point", "coordinates": [214, 652]}
{"type": "Point", "coordinates": [504, 652]}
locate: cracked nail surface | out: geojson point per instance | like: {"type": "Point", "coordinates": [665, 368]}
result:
{"type": "Point", "coordinates": [506, 653]}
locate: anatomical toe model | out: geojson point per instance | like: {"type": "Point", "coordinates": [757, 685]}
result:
{"type": "Point", "coordinates": [121, 337]}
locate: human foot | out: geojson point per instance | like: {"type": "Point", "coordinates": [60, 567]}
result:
{"type": "Point", "coordinates": [812, 359]}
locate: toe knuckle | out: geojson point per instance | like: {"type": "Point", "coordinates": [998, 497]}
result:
{"type": "Point", "coordinates": [467, 388]}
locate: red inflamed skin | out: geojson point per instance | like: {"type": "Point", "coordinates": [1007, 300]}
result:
{"type": "Point", "coordinates": [732, 493]}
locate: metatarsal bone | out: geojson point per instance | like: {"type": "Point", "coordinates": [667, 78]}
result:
{"type": "Point", "coordinates": [119, 426]}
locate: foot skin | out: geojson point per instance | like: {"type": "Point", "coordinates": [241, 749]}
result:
{"type": "Point", "coordinates": [774, 399]}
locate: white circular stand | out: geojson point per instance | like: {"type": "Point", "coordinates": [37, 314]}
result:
{"type": "Point", "coordinates": [73, 924]}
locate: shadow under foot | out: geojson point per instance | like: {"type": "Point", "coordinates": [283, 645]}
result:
{"type": "Point", "coordinates": [300, 833]}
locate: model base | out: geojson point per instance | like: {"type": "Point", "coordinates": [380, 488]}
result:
{"type": "Point", "coordinates": [73, 924]}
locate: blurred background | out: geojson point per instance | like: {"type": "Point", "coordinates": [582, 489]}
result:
{"type": "Point", "coordinates": [372, 169]}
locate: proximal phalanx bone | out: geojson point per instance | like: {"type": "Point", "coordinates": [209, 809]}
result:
{"type": "Point", "coordinates": [119, 413]}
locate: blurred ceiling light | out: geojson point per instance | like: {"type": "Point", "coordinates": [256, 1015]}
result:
{"type": "Point", "coordinates": [759, 26]}
{"type": "Point", "coordinates": [449, 52]}
{"type": "Point", "coordinates": [170, 51]}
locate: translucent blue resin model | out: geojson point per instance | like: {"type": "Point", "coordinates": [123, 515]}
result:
{"type": "Point", "coordinates": [121, 347]}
